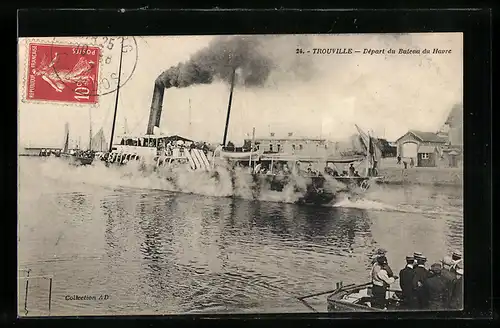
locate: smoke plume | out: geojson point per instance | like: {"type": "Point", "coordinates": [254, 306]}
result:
{"type": "Point", "coordinates": [253, 57]}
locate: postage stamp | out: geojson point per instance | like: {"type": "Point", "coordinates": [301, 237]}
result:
{"type": "Point", "coordinates": [63, 73]}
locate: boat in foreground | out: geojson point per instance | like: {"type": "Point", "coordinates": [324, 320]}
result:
{"type": "Point", "coordinates": [357, 298]}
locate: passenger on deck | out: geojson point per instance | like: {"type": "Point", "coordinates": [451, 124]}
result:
{"type": "Point", "coordinates": [381, 282]}
{"type": "Point", "coordinates": [257, 167]}
{"type": "Point", "coordinates": [406, 283]}
{"type": "Point", "coordinates": [421, 274]}
{"type": "Point", "coordinates": [286, 169]}
{"type": "Point", "coordinates": [351, 170]}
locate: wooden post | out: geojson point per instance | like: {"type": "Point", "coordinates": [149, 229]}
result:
{"type": "Point", "coordinates": [50, 293]}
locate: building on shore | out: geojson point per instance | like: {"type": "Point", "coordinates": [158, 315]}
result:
{"type": "Point", "coordinates": [431, 149]}
{"type": "Point", "coordinates": [421, 147]}
{"type": "Point", "coordinates": [304, 146]}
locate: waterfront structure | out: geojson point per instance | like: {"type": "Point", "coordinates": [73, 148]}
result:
{"type": "Point", "coordinates": [408, 146]}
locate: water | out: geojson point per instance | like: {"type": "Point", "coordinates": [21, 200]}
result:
{"type": "Point", "coordinates": [123, 235]}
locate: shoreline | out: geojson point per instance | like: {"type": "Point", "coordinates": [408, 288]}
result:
{"type": "Point", "coordinates": [426, 176]}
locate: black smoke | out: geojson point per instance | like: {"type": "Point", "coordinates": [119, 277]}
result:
{"type": "Point", "coordinates": [249, 56]}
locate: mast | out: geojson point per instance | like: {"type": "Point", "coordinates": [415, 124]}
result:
{"type": "Point", "coordinates": [66, 138]}
{"type": "Point", "coordinates": [90, 129]}
{"type": "Point", "coordinates": [116, 101]}
{"type": "Point", "coordinates": [229, 107]}
{"type": "Point", "coordinates": [189, 117]}
{"type": "Point", "coordinates": [251, 147]}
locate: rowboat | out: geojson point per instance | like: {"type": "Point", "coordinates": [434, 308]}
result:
{"type": "Point", "coordinates": [357, 298]}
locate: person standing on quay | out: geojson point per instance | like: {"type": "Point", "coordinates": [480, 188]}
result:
{"type": "Point", "coordinates": [406, 283]}
{"type": "Point", "coordinates": [381, 282]}
{"type": "Point", "coordinates": [421, 274]}
{"type": "Point", "coordinates": [456, 258]}
{"type": "Point", "coordinates": [456, 300]}
{"type": "Point", "coordinates": [436, 289]}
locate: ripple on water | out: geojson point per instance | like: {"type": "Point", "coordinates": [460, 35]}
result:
{"type": "Point", "coordinates": [155, 252]}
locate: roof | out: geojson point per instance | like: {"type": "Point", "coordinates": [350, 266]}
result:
{"type": "Point", "coordinates": [426, 149]}
{"type": "Point", "coordinates": [425, 136]}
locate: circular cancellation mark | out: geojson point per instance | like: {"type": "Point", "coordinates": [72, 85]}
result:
{"type": "Point", "coordinates": [95, 64]}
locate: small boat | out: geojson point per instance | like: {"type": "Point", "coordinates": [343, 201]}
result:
{"type": "Point", "coordinates": [76, 157]}
{"type": "Point", "coordinates": [357, 298]}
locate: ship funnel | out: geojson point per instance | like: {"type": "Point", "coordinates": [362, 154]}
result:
{"type": "Point", "coordinates": [156, 106]}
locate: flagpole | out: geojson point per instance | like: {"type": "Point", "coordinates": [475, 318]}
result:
{"type": "Point", "coordinates": [229, 108]}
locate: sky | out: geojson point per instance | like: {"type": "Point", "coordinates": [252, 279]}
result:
{"type": "Point", "coordinates": [311, 95]}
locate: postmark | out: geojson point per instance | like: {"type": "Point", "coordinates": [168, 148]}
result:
{"type": "Point", "coordinates": [110, 60]}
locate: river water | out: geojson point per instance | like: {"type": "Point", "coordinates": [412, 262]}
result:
{"type": "Point", "coordinates": [123, 237]}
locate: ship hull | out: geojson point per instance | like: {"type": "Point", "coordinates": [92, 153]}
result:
{"type": "Point", "coordinates": [77, 160]}
{"type": "Point", "coordinates": [313, 189]}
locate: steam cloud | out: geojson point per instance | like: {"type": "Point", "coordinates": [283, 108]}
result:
{"type": "Point", "coordinates": [253, 57]}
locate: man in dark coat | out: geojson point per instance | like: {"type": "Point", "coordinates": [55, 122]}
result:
{"type": "Point", "coordinates": [406, 283]}
{"type": "Point", "coordinates": [436, 289]}
{"type": "Point", "coordinates": [421, 274]}
{"type": "Point", "coordinates": [447, 263]}
{"type": "Point", "coordinates": [456, 301]}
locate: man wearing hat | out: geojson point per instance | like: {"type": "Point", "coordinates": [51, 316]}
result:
{"type": "Point", "coordinates": [436, 289]}
{"type": "Point", "coordinates": [447, 263]}
{"type": "Point", "coordinates": [381, 252]}
{"type": "Point", "coordinates": [456, 300]}
{"type": "Point", "coordinates": [456, 258]}
{"type": "Point", "coordinates": [406, 283]}
{"type": "Point", "coordinates": [421, 274]}
{"type": "Point", "coordinates": [381, 282]}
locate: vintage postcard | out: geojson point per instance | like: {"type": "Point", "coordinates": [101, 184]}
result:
{"type": "Point", "coordinates": [240, 174]}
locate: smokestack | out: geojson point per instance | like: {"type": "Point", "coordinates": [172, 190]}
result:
{"type": "Point", "coordinates": [156, 106]}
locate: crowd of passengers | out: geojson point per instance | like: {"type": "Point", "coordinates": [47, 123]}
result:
{"type": "Point", "coordinates": [284, 169]}
{"type": "Point", "coordinates": [166, 148]}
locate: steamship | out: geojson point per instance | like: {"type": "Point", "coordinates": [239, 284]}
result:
{"type": "Point", "coordinates": [173, 151]}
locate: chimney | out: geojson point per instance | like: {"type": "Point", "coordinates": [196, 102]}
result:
{"type": "Point", "coordinates": [156, 106]}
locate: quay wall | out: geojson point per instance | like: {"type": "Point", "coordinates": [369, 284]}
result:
{"type": "Point", "coordinates": [396, 174]}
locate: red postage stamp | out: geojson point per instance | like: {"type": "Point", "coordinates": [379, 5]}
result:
{"type": "Point", "coordinates": [63, 73]}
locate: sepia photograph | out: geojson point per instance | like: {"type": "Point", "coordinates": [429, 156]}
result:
{"type": "Point", "coordinates": [232, 174]}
